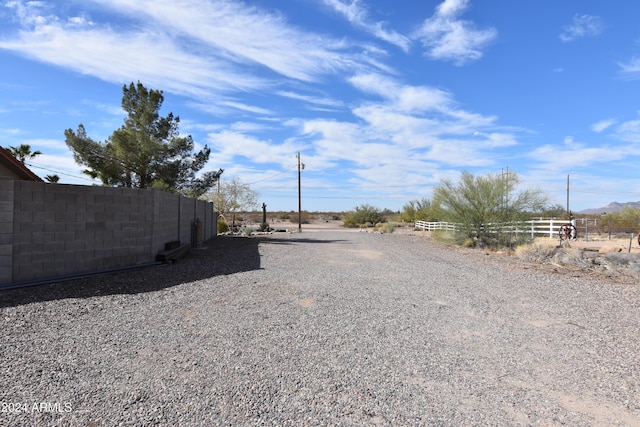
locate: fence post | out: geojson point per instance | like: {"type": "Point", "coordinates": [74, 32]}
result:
{"type": "Point", "coordinates": [586, 230]}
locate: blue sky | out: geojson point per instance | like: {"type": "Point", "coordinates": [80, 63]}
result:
{"type": "Point", "coordinates": [383, 99]}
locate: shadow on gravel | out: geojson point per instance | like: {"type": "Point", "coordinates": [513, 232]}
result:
{"type": "Point", "coordinates": [290, 241]}
{"type": "Point", "coordinates": [219, 256]}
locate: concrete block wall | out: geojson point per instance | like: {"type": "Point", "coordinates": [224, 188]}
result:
{"type": "Point", "coordinates": [68, 229]}
{"type": "Point", "coordinates": [166, 212]}
{"type": "Point", "coordinates": [54, 230]}
{"type": "Point", "coordinates": [6, 229]}
{"type": "Point", "coordinates": [186, 219]}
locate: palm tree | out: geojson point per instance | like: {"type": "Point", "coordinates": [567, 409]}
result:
{"type": "Point", "coordinates": [23, 152]}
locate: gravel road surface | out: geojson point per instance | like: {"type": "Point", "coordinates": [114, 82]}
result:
{"type": "Point", "coordinates": [323, 328]}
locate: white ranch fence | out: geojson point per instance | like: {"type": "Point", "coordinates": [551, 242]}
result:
{"type": "Point", "coordinates": [536, 227]}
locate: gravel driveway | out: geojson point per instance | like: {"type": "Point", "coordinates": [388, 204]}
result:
{"type": "Point", "coordinates": [323, 328]}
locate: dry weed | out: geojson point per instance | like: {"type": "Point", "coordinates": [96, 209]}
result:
{"type": "Point", "coordinates": [539, 250]}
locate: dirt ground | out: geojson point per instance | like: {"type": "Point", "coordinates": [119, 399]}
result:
{"type": "Point", "coordinates": [594, 242]}
{"type": "Point", "coordinates": [604, 244]}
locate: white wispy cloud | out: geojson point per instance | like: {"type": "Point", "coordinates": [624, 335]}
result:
{"type": "Point", "coordinates": [245, 35]}
{"type": "Point", "coordinates": [206, 49]}
{"type": "Point", "coordinates": [402, 134]}
{"type": "Point", "coordinates": [404, 97]}
{"type": "Point", "coordinates": [314, 100]}
{"type": "Point", "coordinates": [9, 131]}
{"type": "Point", "coordinates": [630, 70]}
{"type": "Point", "coordinates": [357, 15]}
{"type": "Point", "coordinates": [629, 131]}
{"type": "Point", "coordinates": [434, 107]}
{"type": "Point", "coordinates": [232, 144]}
{"type": "Point", "coordinates": [123, 56]}
{"type": "Point", "coordinates": [603, 125]}
{"type": "Point", "coordinates": [582, 26]}
{"type": "Point", "coordinates": [572, 154]}
{"type": "Point", "coordinates": [449, 38]}
{"type": "Point", "coordinates": [420, 123]}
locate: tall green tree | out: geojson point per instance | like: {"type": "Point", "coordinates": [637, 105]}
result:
{"type": "Point", "coordinates": [481, 204]}
{"type": "Point", "coordinates": [147, 151]}
{"type": "Point", "coordinates": [23, 152]}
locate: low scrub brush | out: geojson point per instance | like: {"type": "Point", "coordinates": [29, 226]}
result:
{"type": "Point", "coordinates": [537, 251]}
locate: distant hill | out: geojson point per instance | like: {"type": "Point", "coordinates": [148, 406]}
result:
{"type": "Point", "coordinates": [611, 207]}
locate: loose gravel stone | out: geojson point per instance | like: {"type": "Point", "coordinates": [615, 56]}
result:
{"type": "Point", "coordinates": [325, 328]}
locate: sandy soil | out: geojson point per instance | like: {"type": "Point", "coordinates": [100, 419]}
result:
{"type": "Point", "coordinates": [595, 243]}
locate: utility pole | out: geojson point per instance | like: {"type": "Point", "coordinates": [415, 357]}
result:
{"type": "Point", "coordinates": [218, 199]}
{"type": "Point", "coordinates": [300, 168]}
{"type": "Point", "coordinates": [568, 211]}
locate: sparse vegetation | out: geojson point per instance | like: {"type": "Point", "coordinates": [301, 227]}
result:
{"type": "Point", "coordinates": [232, 196]}
{"type": "Point", "coordinates": [223, 227]}
{"type": "Point", "coordinates": [539, 250]}
{"type": "Point", "coordinates": [385, 227]}
{"type": "Point", "coordinates": [364, 215]}
{"type": "Point", "coordinates": [627, 213]}
{"type": "Point", "coordinates": [418, 210]}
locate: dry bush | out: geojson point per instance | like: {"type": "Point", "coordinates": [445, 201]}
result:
{"type": "Point", "coordinates": [385, 227]}
{"type": "Point", "coordinates": [539, 250]}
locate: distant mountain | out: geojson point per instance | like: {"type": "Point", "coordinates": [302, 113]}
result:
{"type": "Point", "coordinates": [611, 207]}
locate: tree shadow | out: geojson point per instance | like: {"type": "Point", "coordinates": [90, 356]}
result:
{"type": "Point", "coordinates": [271, 239]}
{"type": "Point", "coordinates": [221, 255]}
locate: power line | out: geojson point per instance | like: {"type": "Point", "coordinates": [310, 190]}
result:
{"type": "Point", "coordinates": [273, 176]}
{"type": "Point", "coordinates": [58, 172]}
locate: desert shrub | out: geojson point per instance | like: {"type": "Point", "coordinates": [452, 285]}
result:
{"type": "Point", "coordinates": [537, 251]}
{"type": "Point", "coordinates": [306, 217]}
{"type": "Point", "coordinates": [223, 227]}
{"type": "Point", "coordinates": [469, 243]}
{"type": "Point", "coordinates": [476, 202]}
{"type": "Point", "coordinates": [385, 227]}
{"type": "Point", "coordinates": [362, 215]}
{"type": "Point", "coordinates": [418, 210]}
{"type": "Point", "coordinates": [443, 236]}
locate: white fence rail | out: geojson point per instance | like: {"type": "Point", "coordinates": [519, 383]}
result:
{"type": "Point", "coordinates": [536, 227]}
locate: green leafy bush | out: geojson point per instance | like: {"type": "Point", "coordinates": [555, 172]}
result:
{"type": "Point", "coordinates": [362, 215]}
{"type": "Point", "coordinates": [418, 210]}
{"type": "Point", "coordinates": [481, 205]}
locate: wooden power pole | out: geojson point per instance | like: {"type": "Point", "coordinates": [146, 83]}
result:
{"type": "Point", "coordinates": [300, 167]}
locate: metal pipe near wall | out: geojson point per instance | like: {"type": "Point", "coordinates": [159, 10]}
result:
{"type": "Point", "coordinates": [80, 276]}
{"type": "Point", "coordinates": [179, 209]}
